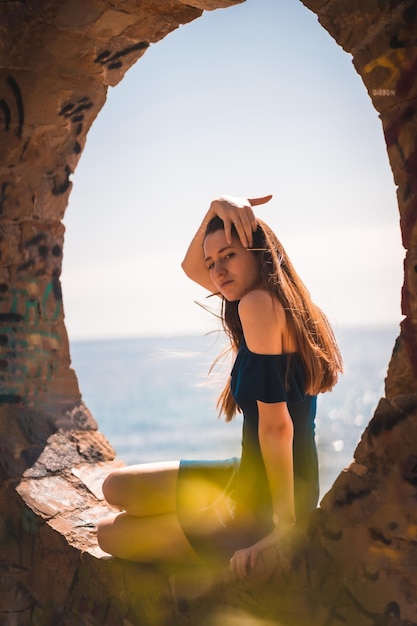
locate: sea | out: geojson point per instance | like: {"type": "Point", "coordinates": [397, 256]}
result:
{"type": "Point", "coordinates": [154, 398]}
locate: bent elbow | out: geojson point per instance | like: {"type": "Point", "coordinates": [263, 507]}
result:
{"type": "Point", "coordinates": [184, 268]}
{"type": "Point", "coordinates": [282, 431]}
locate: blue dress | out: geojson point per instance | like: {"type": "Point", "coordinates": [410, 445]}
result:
{"type": "Point", "coordinates": [226, 505]}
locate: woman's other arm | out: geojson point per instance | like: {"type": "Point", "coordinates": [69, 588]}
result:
{"type": "Point", "coordinates": [276, 437]}
{"type": "Point", "coordinates": [276, 434]}
{"type": "Point", "coordinates": [263, 322]}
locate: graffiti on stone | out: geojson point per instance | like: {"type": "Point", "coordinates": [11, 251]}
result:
{"type": "Point", "coordinates": [29, 313]}
{"type": "Point", "coordinates": [12, 115]}
{"type": "Point", "coordinates": [42, 255]}
{"type": "Point", "coordinates": [28, 347]}
{"type": "Point", "coordinates": [114, 61]}
{"type": "Point", "coordinates": [76, 110]}
{"type": "Point", "coordinates": [336, 615]}
{"type": "Point", "coordinates": [396, 67]}
{"type": "Point", "coordinates": [61, 183]}
{"type": "Point", "coordinates": [396, 42]}
{"type": "Point", "coordinates": [392, 65]}
{"type": "Point", "coordinates": [3, 194]}
{"type": "Point", "coordinates": [75, 113]}
{"type": "Point", "coordinates": [32, 305]}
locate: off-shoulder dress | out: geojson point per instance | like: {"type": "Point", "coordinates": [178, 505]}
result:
{"type": "Point", "coordinates": [226, 505]}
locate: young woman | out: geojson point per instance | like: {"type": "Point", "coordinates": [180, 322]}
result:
{"type": "Point", "coordinates": [286, 354]}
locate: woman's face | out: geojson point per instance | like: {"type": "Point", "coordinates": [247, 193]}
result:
{"type": "Point", "coordinates": [233, 269]}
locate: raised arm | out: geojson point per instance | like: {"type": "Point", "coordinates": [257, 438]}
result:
{"type": "Point", "coordinates": [233, 211]}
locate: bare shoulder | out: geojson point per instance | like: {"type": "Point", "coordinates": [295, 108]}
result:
{"type": "Point", "coordinates": [260, 304]}
{"type": "Point", "coordinates": [263, 322]}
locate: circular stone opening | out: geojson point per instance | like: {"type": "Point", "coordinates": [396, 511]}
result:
{"type": "Point", "coordinates": [52, 457]}
{"type": "Point", "coordinates": [272, 116]}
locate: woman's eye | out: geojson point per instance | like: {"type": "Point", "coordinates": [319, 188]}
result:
{"type": "Point", "coordinates": [210, 267]}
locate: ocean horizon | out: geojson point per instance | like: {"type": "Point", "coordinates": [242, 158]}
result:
{"type": "Point", "coordinates": [154, 398]}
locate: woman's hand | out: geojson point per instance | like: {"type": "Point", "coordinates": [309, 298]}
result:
{"type": "Point", "coordinates": [238, 212]}
{"type": "Point", "coordinates": [256, 560]}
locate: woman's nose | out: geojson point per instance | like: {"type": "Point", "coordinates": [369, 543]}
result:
{"type": "Point", "coordinates": [219, 268]}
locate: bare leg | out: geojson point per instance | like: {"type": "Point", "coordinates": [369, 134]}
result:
{"type": "Point", "coordinates": [149, 530]}
{"type": "Point", "coordinates": [146, 489]}
{"type": "Point", "coordinates": [148, 539]}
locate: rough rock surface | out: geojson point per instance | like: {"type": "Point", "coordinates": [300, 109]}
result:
{"type": "Point", "coordinates": [355, 561]}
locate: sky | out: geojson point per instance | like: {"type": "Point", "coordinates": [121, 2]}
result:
{"type": "Point", "coordinates": [244, 101]}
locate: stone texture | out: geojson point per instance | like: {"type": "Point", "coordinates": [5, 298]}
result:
{"type": "Point", "coordinates": [354, 561]}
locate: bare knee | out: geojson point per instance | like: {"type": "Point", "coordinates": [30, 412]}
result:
{"type": "Point", "coordinates": [128, 490]}
{"type": "Point", "coordinates": [147, 489]}
{"type": "Point", "coordinates": [110, 487]}
{"type": "Point", "coordinates": [104, 534]}
{"type": "Point", "coordinates": [144, 539]}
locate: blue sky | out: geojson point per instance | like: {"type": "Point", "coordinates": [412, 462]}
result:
{"type": "Point", "coordinates": [246, 101]}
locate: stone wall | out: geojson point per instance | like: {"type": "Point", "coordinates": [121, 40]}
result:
{"type": "Point", "coordinates": [354, 562]}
